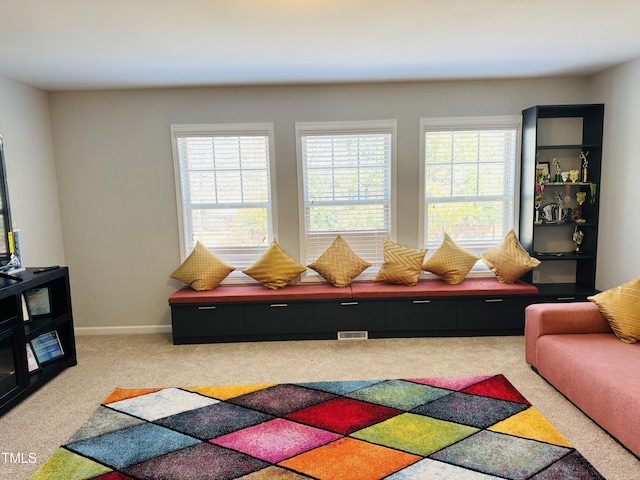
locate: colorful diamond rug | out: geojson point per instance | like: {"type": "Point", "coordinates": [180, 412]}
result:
{"type": "Point", "coordinates": [475, 428]}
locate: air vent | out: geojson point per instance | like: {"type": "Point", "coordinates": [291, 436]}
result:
{"type": "Point", "coordinates": [359, 335]}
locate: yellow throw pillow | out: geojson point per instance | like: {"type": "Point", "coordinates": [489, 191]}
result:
{"type": "Point", "coordinates": [202, 270]}
{"type": "Point", "coordinates": [509, 261]}
{"type": "Point", "coordinates": [621, 307]}
{"type": "Point", "coordinates": [401, 264]}
{"type": "Point", "coordinates": [450, 261]}
{"type": "Point", "coordinates": [275, 267]}
{"type": "Point", "coordinates": [338, 265]}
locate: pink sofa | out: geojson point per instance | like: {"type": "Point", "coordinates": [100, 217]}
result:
{"type": "Point", "coordinates": [572, 347]}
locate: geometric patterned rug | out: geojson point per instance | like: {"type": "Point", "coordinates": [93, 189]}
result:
{"type": "Point", "coordinates": [469, 428]}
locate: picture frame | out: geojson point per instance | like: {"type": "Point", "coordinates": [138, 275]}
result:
{"type": "Point", "coordinates": [25, 310]}
{"type": "Point", "coordinates": [38, 302]}
{"type": "Point", "coordinates": [32, 361]}
{"type": "Point", "coordinates": [543, 170]}
{"type": "Point", "coordinates": [47, 347]}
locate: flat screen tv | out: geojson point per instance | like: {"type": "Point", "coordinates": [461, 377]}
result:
{"type": "Point", "coordinates": [5, 211]}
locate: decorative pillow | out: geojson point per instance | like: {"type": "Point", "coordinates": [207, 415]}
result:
{"type": "Point", "coordinates": [401, 264]}
{"type": "Point", "coordinates": [338, 265]}
{"type": "Point", "coordinates": [509, 261]}
{"type": "Point", "coordinates": [621, 307]}
{"type": "Point", "coordinates": [450, 261]}
{"type": "Point", "coordinates": [202, 270]}
{"type": "Point", "coordinates": [274, 268]}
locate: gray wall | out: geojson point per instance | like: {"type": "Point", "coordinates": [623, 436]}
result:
{"type": "Point", "coordinates": [25, 126]}
{"type": "Point", "coordinates": [619, 230]}
{"type": "Point", "coordinates": [116, 180]}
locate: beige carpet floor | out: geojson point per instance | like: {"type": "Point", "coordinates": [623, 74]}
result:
{"type": "Point", "coordinates": [42, 422]}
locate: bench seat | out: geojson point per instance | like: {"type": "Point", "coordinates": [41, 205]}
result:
{"type": "Point", "coordinates": [437, 288]}
{"type": "Point", "coordinates": [231, 313]}
{"type": "Point", "coordinates": [357, 290]}
{"type": "Point", "coordinates": [258, 293]}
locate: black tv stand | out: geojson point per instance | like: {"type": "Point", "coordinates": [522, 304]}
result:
{"type": "Point", "coordinates": [20, 325]}
{"type": "Point", "coordinates": [11, 277]}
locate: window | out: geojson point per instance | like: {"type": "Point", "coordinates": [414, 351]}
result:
{"type": "Point", "coordinates": [224, 189]}
{"type": "Point", "coordinates": [346, 183]}
{"type": "Point", "coordinates": [469, 177]}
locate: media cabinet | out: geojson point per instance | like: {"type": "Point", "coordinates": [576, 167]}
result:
{"type": "Point", "coordinates": [35, 318]}
{"type": "Point", "coordinates": [321, 311]}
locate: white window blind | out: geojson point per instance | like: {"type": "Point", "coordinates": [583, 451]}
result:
{"type": "Point", "coordinates": [469, 180]}
{"type": "Point", "coordinates": [224, 188]}
{"type": "Point", "coordinates": [346, 172]}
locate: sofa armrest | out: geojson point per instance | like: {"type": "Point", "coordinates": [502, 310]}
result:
{"type": "Point", "coordinates": [560, 318]}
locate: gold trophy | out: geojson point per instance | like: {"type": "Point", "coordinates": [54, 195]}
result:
{"type": "Point", "coordinates": [574, 175]}
{"type": "Point", "coordinates": [585, 164]}
{"type": "Point", "coordinates": [577, 212]}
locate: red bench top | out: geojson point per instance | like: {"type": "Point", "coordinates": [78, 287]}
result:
{"type": "Point", "coordinates": [438, 288]}
{"type": "Point", "coordinates": [424, 288]}
{"type": "Point", "coordinates": [259, 293]}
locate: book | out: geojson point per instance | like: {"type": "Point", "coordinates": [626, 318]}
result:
{"type": "Point", "coordinates": [32, 363]}
{"type": "Point", "coordinates": [47, 347]}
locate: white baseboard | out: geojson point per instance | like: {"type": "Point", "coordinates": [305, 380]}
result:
{"type": "Point", "coordinates": [131, 330]}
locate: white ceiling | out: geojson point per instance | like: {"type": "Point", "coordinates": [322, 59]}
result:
{"type": "Point", "coordinates": [90, 44]}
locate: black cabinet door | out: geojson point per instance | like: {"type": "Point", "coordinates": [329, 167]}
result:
{"type": "Point", "coordinates": [421, 315]}
{"type": "Point", "coordinates": [279, 318]}
{"type": "Point", "coordinates": [349, 315]}
{"type": "Point", "coordinates": [207, 320]}
{"type": "Point", "coordinates": [491, 313]}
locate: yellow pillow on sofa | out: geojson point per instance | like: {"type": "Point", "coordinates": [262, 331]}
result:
{"type": "Point", "coordinates": [401, 264]}
{"type": "Point", "coordinates": [509, 261]}
{"type": "Point", "coordinates": [338, 265]}
{"type": "Point", "coordinates": [450, 261]}
{"type": "Point", "coordinates": [202, 270]}
{"type": "Point", "coordinates": [621, 307]}
{"type": "Point", "coordinates": [274, 268]}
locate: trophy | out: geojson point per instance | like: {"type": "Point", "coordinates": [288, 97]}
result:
{"type": "Point", "coordinates": [574, 175]}
{"type": "Point", "coordinates": [538, 202]}
{"type": "Point", "coordinates": [560, 213]}
{"type": "Point", "coordinates": [585, 164]}
{"type": "Point", "coordinates": [577, 212]}
{"type": "Point", "coordinates": [578, 236]}
{"type": "Point", "coordinates": [558, 177]}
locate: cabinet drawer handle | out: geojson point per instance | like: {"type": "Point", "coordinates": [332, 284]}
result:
{"type": "Point", "coordinates": [275, 305]}
{"type": "Point", "coordinates": [565, 298]}
{"type": "Point", "coordinates": [207, 308]}
{"type": "Point", "coordinates": [494, 300]}
{"type": "Point", "coordinates": [345, 304]}
{"type": "Point", "coordinates": [422, 301]}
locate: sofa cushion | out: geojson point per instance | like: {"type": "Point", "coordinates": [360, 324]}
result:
{"type": "Point", "coordinates": [450, 262]}
{"type": "Point", "coordinates": [275, 267]}
{"type": "Point", "coordinates": [338, 265]}
{"type": "Point", "coordinates": [257, 293]}
{"type": "Point", "coordinates": [621, 307]}
{"type": "Point", "coordinates": [438, 288]}
{"type": "Point", "coordinates": [202, 270]}
{"type": "Point", "coordinates": [509, 261]}
{"type": "Point", "coordinates": [401, 265]}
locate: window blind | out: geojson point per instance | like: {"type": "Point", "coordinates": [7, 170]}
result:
{"type": "Point", "coordinates": [225, 190]}
{"type": "Point", "coordinates": [469, 181]}
{"type": "Point", "coordinates": [346, 183]}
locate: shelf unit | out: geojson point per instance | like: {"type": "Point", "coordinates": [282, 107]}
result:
{"type": "Point", "coordinates": [21, 326]}
{"type": "Point", "coordinates": [566, 136]}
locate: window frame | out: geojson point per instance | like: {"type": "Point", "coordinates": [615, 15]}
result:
{"type": "Point", "coordinates": [345, 128]}
{"type": "Point", "coordinates": [265, 129]}
{"type": "Point", "coordinates": [498, 122]}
